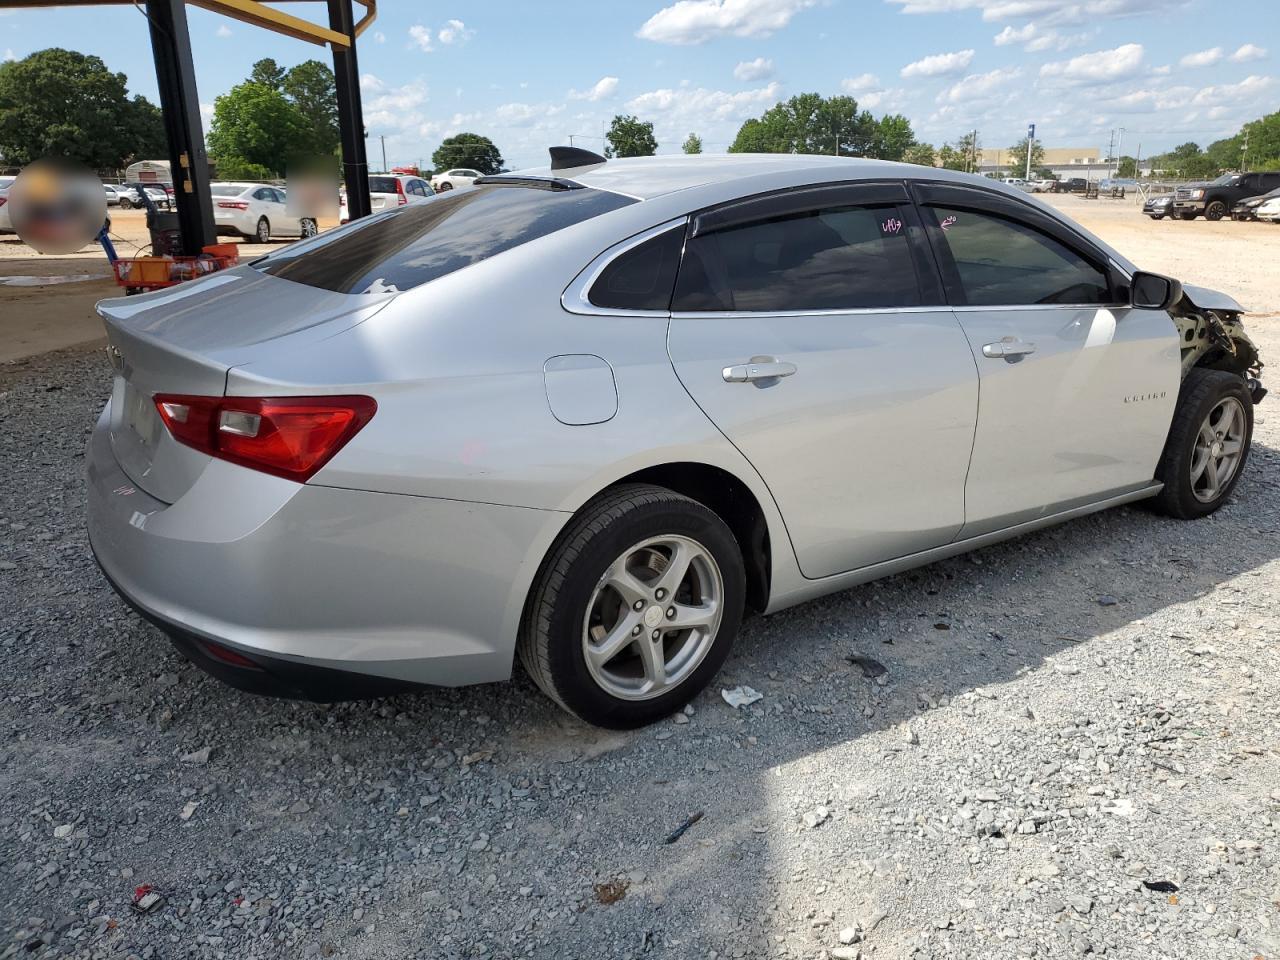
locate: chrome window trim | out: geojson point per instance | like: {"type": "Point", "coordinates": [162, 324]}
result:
{"type": "Point", "coordinates": [967, 308]}
{"type": "Point", "coordinates": [574, 299]}
{"type": "Point", "coordinates": [845, 312]}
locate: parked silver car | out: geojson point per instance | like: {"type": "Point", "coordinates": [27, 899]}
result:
{"type": "Point", "coordinates": [588, 414]}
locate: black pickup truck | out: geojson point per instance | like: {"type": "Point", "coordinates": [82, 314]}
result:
{"type": "Point", "coordinates": [1216, 198]}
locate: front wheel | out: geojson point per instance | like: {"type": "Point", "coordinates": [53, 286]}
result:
{"type": "Point", "coordinates": [1187, 216]}
{"type": "Point", "coordinates": [1208, 444]}
{"type": "Point", "coordinates": [126, 203]}
{"type": "Point", "coordinates": [1215, 210]}
{"type": "Point", "coordinates": [635, 608]}
{"type": "Point", "coordinates": [263, 233]}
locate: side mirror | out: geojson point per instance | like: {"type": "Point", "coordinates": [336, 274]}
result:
{"type": "Point", "coordinates": [1151, 291]}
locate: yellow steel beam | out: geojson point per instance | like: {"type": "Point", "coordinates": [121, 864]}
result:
{"type": "Point", "coordinates": [249, 11]}
{"type": "Point", "coordinates": [260, 15]}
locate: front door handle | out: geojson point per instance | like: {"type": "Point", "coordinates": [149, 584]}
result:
{"type": "Point", "coordinates": [760, 368]}
{"type": "Point", "coordinates": [1010, 348]}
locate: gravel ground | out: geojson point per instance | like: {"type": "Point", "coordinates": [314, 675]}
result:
{"type": "Point", "coordinates": [1065, 744]}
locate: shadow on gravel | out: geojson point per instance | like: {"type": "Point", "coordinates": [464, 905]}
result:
{"type": "Point", "coordinates": [485, 822]}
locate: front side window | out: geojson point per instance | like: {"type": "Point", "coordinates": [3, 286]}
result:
{"type": "Point", "coordinates": [415, 244]}
{"type": "Point", "coordinates": [1003, 262]}
{"type": "Point", "coordinates": [822, 259]}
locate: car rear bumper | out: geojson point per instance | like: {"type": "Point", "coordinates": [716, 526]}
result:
{"type": "Point", "coordinates": [327, 593]}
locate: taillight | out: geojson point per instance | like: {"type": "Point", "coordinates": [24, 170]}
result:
{"type": "Point", "coordinates": [290, 437]}
{"type": "Point", "coordinates": [400, 197]}
{"type": "Point", "coordinates": [233, 204]}
{"type": "Point", "coordinates": [3, 201]}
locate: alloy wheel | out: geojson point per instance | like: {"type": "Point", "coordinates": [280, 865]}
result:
{"type": "Point", "coordinates": [264, 230]}
{"type": "Point", "coordinates": [653, 617]}
{"type": "Point", "coordinates": [1218, 449]}
{"type": "Point", "coordinates": [308, 228]}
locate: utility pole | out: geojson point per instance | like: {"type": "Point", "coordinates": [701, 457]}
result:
{"type": "Point", "coordinates": [384, 154]}
{"type": "Point", "coordinates": [1119, 149]}
{"type": "Point", "coordinates": [1031, 138]}
{"type": "Point", "coordinates": [1111, 151]}
{"type": "Point", "coordinates": [1244, 152]}
{"type": "Point", "coordinates": [571, 136]}
{"type": "Point", "coordinates": [1137, 163]}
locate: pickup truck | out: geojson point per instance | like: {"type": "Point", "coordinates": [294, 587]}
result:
{"type": "Point", "coordinates": [1215, 198]}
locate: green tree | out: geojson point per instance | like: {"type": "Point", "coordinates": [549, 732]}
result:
{"type": "Point", "coordinates": [255, 124]}
{"type": "Point", "coordinates": [268, 73]}
{"type": "Point", "coordinates": [1127, 167]}
{"type": "Point", "coordinates": [629, 136]}
{"type": "Point", "coordinates": [234, 168]}
{"type": "Point", "coordinates": [1018, 157]}
{"type": "Point", "coordinates": [969, 151]}
{"type": "Point", "coordinates": [311, 87]}
{"type": "Point", "coordinates": [692, 144]}
{"type": "Point", "coordinates": [468, 150]}
{"type": "Point", "coordinates": [59, 103]}
{"type": "Point", "coordinates": [949, 158]}
{"type": "Point", "coordinates": [811, 123]}
{"type": "Point", "coordinates": [922, 154]}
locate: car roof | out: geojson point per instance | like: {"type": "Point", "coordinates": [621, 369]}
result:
{"type": "Point", "coordinates": [237, 183]}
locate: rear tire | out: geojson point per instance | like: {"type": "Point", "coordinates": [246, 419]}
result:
{"type": "Point", "coordinates": [308, 229]}
{"type": "Point", "coordinates": [126, 203]}
{"type": "Point", "coordinates": [598, 625]}
{"type": "Point", "coordinates": [263, 233]}
{"type": "Point", "coordinates": [1205, 452]}
{"type": "Point", "coordinates": [445, 186]}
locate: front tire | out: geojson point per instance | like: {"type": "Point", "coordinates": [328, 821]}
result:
{"type": "Point", "coordinates": [1215, 211]}
{"type": "Point", "coordinates": [263, 233]}
{"type": "Point", "coordinates": [635, 608]}
{"type": "Point", "coordinates": [1208, 444]}
{"type": "Point", "coordinates": [1187, 216]}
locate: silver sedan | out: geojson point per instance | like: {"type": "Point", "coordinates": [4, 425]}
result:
{"type": "Point", "coordinates": [586, 416]}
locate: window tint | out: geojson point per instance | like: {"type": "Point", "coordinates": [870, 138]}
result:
{"type": "Point", "coordinates": [1003, 262]}
{"type": "Point", "coordinates": [226, 189]}
{"type": "Point", "coordinates": [641, 278]}
{"type": "Point", "coordinates": [382, 185]}
{"type": "Point", "coordinates": [831, 259]}
{"type": "Point", "coordinates": [417, 243]}
{"type": "Point", "coordinates": [262, 193]}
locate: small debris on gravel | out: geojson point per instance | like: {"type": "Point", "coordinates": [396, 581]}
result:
{"type": "Point", "coordinates": [741, 696]}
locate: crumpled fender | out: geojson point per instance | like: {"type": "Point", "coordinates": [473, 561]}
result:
{"type": "Point", "coordinates": [1205, 299]}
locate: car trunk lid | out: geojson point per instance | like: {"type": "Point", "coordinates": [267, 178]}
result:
{"type": "Point", "coordinates": [184, 340]}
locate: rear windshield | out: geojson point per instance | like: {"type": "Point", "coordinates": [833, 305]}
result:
{"type": "Point", "coordinates": [226, 190]}
{"type": "Point", "coordinates": [382, 184]}
{"type": "Point", "coordinates": [416, 244]}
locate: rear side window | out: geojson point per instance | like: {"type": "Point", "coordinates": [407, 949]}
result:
{"type": "Point", "coordinates": [382, 185]}
{"type": "Point", "coordinates": [825, 259]}
{"type": "Point", "coordinates": [418, 243]}
{"type": "Point", "coordinates": [641, 278]}
{"type": "Point", "coordinates": [1005, 263]}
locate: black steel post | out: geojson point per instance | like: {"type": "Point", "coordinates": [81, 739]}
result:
{"type": "Point", "coordinates": [346, 75]}
{"type": "Point", "coordinates": [180, 106]}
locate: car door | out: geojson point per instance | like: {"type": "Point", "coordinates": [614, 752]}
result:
{"type": "Point", "coordinates": [282, 224]}
{"type": "Point", "coordinates": [1077, 389]}
{"type": "Point", "coordinates": [810, 327]}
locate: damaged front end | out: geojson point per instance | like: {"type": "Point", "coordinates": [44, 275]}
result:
{"type": "Point", "coordinates": [1211, 328]}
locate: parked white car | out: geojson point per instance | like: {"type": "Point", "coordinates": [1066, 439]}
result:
{"type": "Point", "coordinates": [1043, 186]}
{"type": "Point", "coordinates": [6, 225]}
{"type": "Point", "coordinates": [256, 212]}
{"type": "Point", "coordinates": [1020, 184]}
{"type": "Point", "coordinates": [129, 199]}
{"type": "Point", "coordinates": [1269, 211]}
{"type": "Point", "coordinates": [458, 177]}
{"type": "Point", "coordinates": [113, 194]}
{"type": "Point", "coordinates": [390, 190]}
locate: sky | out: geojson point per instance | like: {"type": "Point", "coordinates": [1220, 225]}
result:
{"type": "Point", "coordinates": [529, 75]}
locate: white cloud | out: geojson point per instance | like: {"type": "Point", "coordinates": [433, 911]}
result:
{"type": "Point", "coordinates": [979, 86]}
{"type": "Point", "coordinates": [206, 112]}
{"type": "Point", "coordinates": [9, 54]}
{"type": "Point", "coordinates": [1203, 58]}
{"type": "Point", "coordinates": [696, 21]}
{"type": "Point", "coordinates": [223, 30]}
{"type": "Point", "coordinates": [604, 87]}
{"type": "Point", "coordinates": [686, 109]}
{"type": "Point", "coordinates": [1100, 67]}
{"type": "Point", "coordinates": [525, 114]}
{"type": "Point", "coordinates": [454, 32]}
{"type": "Point", "coordinates": [421, 37]}
{"type": "Point", "coordinates": [1248, 52]}
{"type": "Point", "coordinates": [861, 83]}
{"type": "Point", "coordinates": [388, 108]}
{"type": "Point", "coordinates": [379, 36]}
{"type": "Point", "coordinates": [1246, 89]}
{"type": "Point", "coordinates": [1045, 12]}
{"type": "Point", "coordinates": [757, 69]}
{"type": "Point", "coordinates": [1021, 35]}
{"type": "Point", "coordinates": [939, 65]}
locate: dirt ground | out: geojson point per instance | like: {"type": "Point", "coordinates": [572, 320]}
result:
{"type": "Point", "coordinates": [1242, 259]}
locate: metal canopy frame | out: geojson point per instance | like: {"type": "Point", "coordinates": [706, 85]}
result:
{"type": "Point", "coordinates": [180, 103]}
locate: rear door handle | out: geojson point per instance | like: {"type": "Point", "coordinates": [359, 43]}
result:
{"type": "Point", "coordinates": [760, 368]}
{"type": "Point", "coordinates": [1010, 349]}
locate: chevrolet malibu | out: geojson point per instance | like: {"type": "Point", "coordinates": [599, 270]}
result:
{"type": "Point", "coordinates": [588, 415]}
